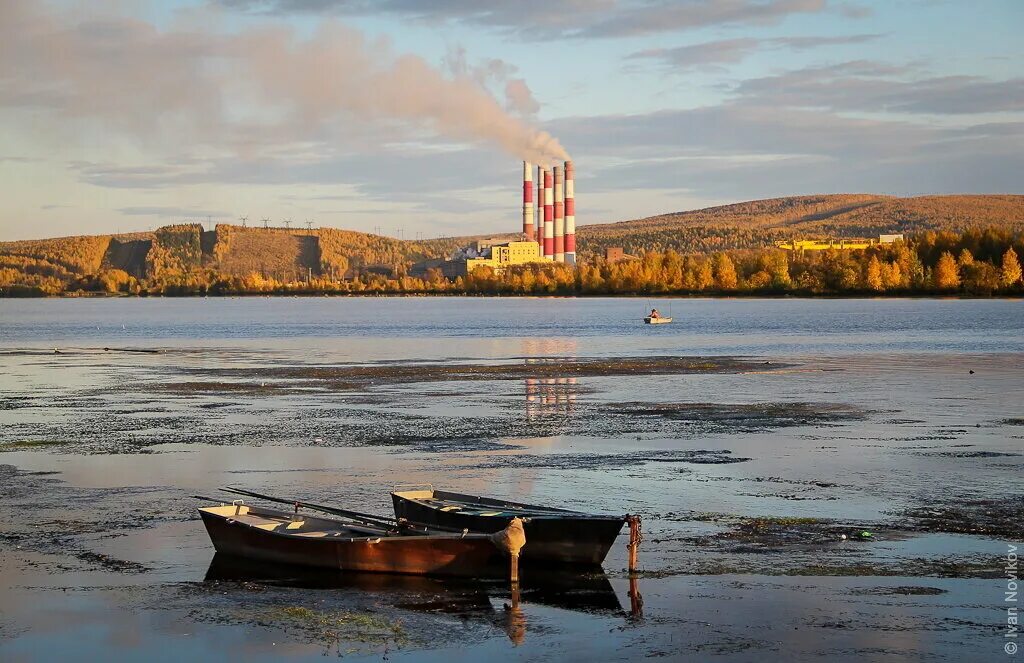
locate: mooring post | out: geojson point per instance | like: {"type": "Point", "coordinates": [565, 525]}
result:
{"type": "Point", "coordinates": [511, 540]}
{"type": "Point", "coordinates": [635, 537]}
{"type": "Point", "coordinates": [636, 601]}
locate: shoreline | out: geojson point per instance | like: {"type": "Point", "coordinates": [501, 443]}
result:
{"type": "Point", "coordinates": [551, 295]}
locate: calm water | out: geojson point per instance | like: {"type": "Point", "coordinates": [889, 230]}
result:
{"type": "Point", "coordinates": [387, 328]}
{"type": "Point", "coordinates": [932, 384]}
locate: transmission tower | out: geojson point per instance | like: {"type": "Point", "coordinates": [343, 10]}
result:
{"type": "Point", "coordinates": [288, 224]}
{"type": "Point", "coordinates": [309, 226]}
{"type": "Point", "coordinates": [243, 219]}
{"type": "Point", "coordinates": [266, 223]}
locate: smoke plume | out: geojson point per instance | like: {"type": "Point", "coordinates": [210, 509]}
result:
{"type": "Point", "coordinates": [193, 83]}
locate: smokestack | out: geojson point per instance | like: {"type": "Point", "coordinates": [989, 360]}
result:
{"type": "Point", "coordinates": [540, 209]}
{"type": "Point", "coordinates": [528, 201]}
{"type": "Point", "coordinates": [549, 216]}
{"type": "Point", "coordinates": [570, 213]}
{"type": "Point", "coordinates": [559, 215]}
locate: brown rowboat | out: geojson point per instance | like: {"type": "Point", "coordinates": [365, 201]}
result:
{"type": "Point", "coordinates": [270, 535]}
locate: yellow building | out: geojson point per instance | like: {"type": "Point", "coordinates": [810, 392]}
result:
{"type": "Point", "coordinates": [841, 244]}
{"type": "Point", "coordinates": [507, 254]}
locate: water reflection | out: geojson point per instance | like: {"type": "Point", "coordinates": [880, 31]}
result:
{"type": "Point", "coordinates": [585, 592]}
{"type": "Point", "coordinates": [550, 397]}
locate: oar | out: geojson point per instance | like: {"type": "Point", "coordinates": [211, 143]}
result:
{"type": "Point", "coordinates": [369, 519]}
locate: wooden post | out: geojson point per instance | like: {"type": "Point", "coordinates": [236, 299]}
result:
{"type": "Point", "coordinates": [636, 602]}
{"type": "Point", "coordinates": [635, 537]}
{"type": "Point", "coordinates": [513, 575]}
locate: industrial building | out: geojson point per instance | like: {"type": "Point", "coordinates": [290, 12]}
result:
{"type": "Point", "coordinates": [549, 226]}
{"type": "Point", "coordinates": [836, 244]}
{"type": "Point", "coordinates": [500, 256]}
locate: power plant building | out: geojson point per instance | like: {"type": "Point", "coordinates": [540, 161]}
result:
{"type": "Point", "coordinates": [548, 231]}
{"type": "Point", "coordinates": [500, 256]}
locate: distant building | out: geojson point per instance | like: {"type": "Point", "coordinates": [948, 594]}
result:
{"type": "Point", "coordinates": [500, 256]}
{"type": "Point", "coordinates": [420, 269]}
{"type": "Point", "coordinates": [614, 254]}
{"type": "Point", "coordinates": [836, 244]}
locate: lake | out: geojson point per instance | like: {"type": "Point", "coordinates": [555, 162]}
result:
{"type": "Point", "coordinates": [801, 421]}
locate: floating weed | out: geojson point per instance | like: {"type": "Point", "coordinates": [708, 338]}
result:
{"type": "Point", "coordinates": [343, 626]}
{"type": "Point", "coordinates": [28, 444]}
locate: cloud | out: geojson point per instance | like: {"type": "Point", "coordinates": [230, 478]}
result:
{"type": "Point", "coordinates": [708, 55]}
{"type": "Point", "coordinates": [742, 151]}
{"type": "Point", "coordinates": [712, 54]}
{"type": "Point", "coordinates": [878, 87]}
{"type": "Point", "coordinates": [179, 212]}
{"type": "Point", "coordinates": [544, 19]}
{"type": "Point", "coordinates": [672, 15]}
{"type": "Point", "coordinates": [409, 179]}
{"type": "Point", "coordinates": [243, 90]}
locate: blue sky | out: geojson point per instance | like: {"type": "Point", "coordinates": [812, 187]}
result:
{"type": "Point", "coordinates": [388, 114]}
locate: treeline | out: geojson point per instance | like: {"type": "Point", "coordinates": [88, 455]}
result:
{"type": "Point", "coordinates": [760, 223]}
{"type": "Point", "coordinates": [976, 262]}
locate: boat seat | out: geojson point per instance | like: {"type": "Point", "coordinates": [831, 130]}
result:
{"type": "Point", "coordinates": [257, 521]}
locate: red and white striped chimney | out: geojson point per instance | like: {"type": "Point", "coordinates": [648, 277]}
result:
{"type": "Point", "coordinates": [570, 213]}
{"type": "Point", "coordinates": [540, 209]}
{"type": "Point", "coordinates": [559, 215]}
{"type": "Point", "coordinates": [528, 201]}
{"type": "Point", "coordinates": [549, 216]}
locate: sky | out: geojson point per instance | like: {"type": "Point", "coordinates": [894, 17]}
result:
{"type": "Point", "coordinates": [411, 118]}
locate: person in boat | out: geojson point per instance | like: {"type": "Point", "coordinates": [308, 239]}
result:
{"type": "Point", "coordinates": [655, 313]}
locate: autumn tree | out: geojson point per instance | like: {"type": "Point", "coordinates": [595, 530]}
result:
{"type": "Point", "coordinates": [705, 277]}
{"type": "Point", "coordinates": [778, 267]}
{"type": "Point", "coordinates": [892, 277]}
{"type": "Point", "coordinates": [873, 275]}
{"type": "Point", "coordinates": [1011, 271]}
{"type": "Point", "coordinates": [725, 272]}
{"type": "Point", "coordinates": [947, 274]}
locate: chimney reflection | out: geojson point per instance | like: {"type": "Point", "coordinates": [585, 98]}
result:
{"type": "Point", "coordinates": [548, 395]}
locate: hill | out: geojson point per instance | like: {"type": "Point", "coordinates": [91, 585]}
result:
{"type": "Point", "coordinates": [180, 254]}
{"type": "Point", "coordinates": [176, 253]}
{"type": "Point", "coordinates": [761, 223]}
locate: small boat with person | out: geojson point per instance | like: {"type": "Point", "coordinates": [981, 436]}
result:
{"type": "Point", "coordinates": [656, 318]}
{"type": "Point", "coordinates": [553, 535]}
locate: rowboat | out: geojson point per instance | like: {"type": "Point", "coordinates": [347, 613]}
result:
{"type": "Point", "coordinates": [553, 535]}
{"type": "Point", "coordinates": [657, 321]}
{"type": "Point", "coordinates": [269, 535]}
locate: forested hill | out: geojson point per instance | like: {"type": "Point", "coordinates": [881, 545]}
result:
{"type": "Point", "coordinates": [760, 223]}
{"type": "Point", "coordinates": [173, 253]}
{"type": "Point", "coordinates": [186, 254]}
